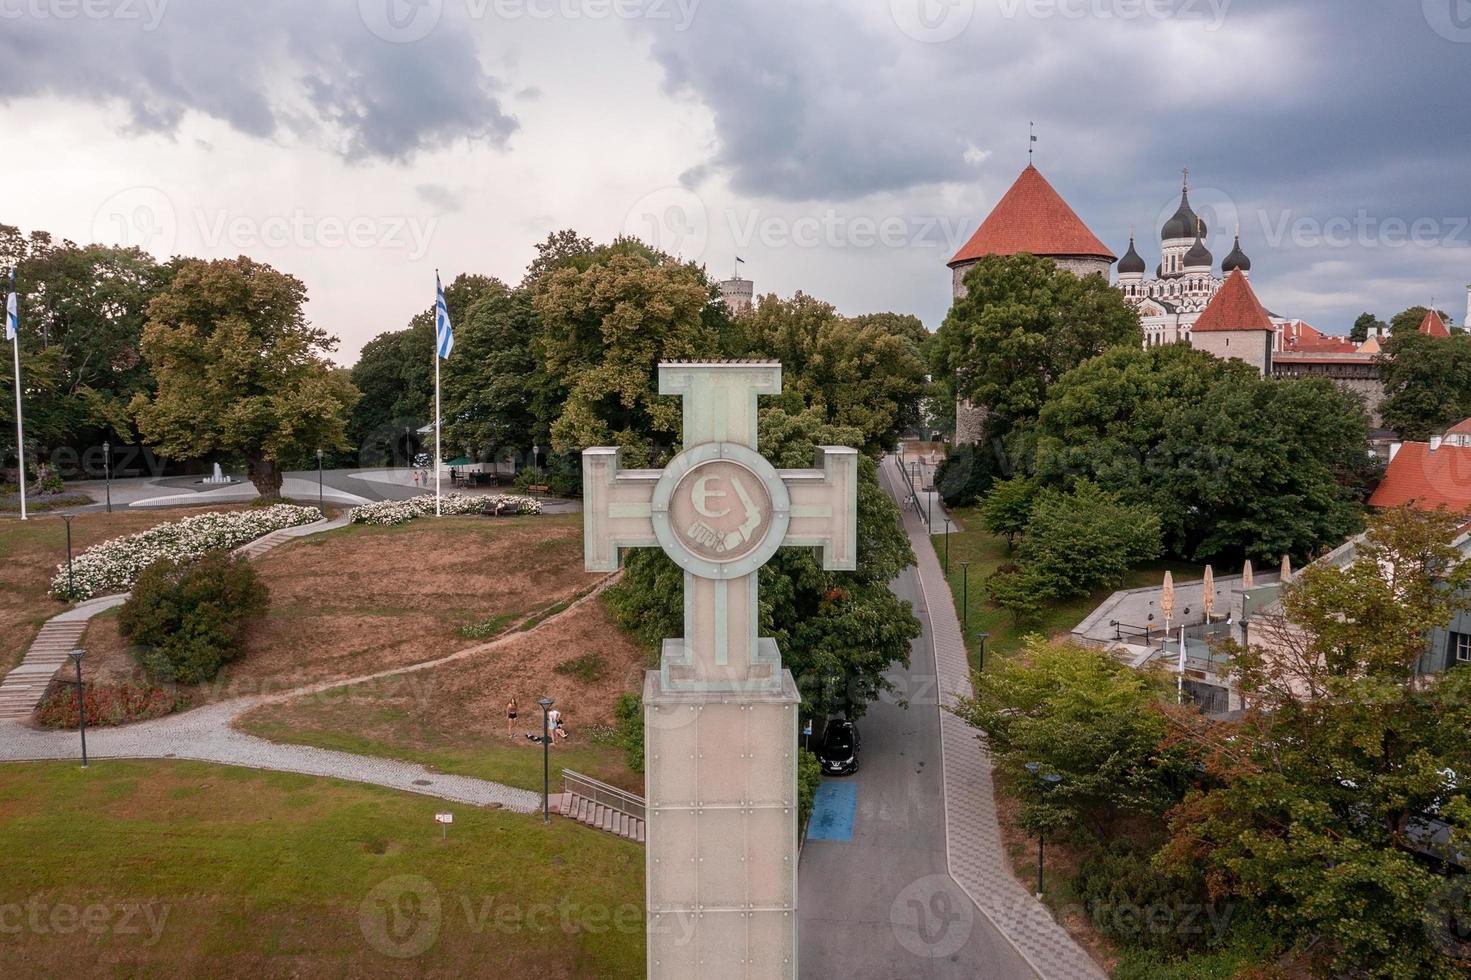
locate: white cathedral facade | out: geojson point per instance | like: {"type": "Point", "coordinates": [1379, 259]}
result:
{"type": "Point", "coordinates": [1185, 280]}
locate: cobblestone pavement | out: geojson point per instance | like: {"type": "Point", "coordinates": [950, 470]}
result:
{"type": "Point", "coordinates": [977, 855]}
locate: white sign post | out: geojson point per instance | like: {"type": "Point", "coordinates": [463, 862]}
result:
{"type": "Point", "coordinates": [444, 820]}
{"type": "Point", "coordinates": [720, 713]}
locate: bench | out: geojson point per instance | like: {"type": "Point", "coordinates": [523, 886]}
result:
{"type": "Point", "coordinates": [538, 489]}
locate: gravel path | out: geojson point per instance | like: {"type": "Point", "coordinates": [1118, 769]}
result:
{"type": "Point", "coordinates": [205, 734]}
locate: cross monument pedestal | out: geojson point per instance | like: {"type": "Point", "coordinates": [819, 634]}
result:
{"type": "Point", "coordinates": [720, 713]}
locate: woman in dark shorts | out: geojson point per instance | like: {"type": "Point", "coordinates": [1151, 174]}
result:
{"type": "Point", "coordinates": [511, 717]}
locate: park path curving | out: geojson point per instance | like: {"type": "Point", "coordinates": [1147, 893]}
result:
{"type": "Point", "coordinates": [206, 734]}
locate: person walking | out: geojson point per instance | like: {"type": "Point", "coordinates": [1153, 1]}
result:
{"type": "Point", "coordinates": [554, 723]}
{"type": "Point", "coordinates": [511, 717]}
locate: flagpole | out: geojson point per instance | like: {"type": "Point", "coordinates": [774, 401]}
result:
{"type": "Point", "coordinates": [20, 431]}
{"type": "Point", "coordinates": [437, 455]}
{"type": "Point", "coordinates": [12, 327]}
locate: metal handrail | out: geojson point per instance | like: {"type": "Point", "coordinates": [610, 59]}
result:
{"type": "Point", "coordinates": [601, 793]}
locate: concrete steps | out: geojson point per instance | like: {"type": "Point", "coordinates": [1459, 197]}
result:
{"type": "Point", "coordinates": [24, 686]}
{"type": "Point", "coordinates": [599, 817]}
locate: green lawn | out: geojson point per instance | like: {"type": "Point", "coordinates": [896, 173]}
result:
{"type": "Point", "coordinates": [986, 552]}
{"type": "Point", "coordinates": [178, 869]}
{"type": "Point", "coordinates": [404, 736]}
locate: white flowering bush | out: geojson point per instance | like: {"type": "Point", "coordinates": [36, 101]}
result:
{"type": "Point", "coordinates": [113, 566]}
{"type": "Point", "coordinates": [387, 513]}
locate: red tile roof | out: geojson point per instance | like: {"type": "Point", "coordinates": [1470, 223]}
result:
{"type": "Point", "coordinates": [1234, 308]}
{"type": "Point", "coordinates": [1425, 479]}
{"type": "Point", "coordinates": [1304, 337]}
{"type": "Point", "coordinates": [1032, 217]}
{"type": "Point", "coordinates": [1434, 325]}
{"type": "Point", "coordinates": [1460, 429]}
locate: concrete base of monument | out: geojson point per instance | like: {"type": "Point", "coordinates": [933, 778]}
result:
{"type": "Point", "coordinates": [721, 858]}
{"type": "Point", "coordinates": [679, 672]}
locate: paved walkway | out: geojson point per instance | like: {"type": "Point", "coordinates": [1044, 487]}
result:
{"type": "Point", "coordinates": [977, 854]}
{"type": "Point", "coordinates": [206, 734]}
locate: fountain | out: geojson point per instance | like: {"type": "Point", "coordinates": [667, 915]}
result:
{"type": "Point", "coordinates": [217, 477]}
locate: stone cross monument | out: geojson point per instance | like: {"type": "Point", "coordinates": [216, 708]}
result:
{"type": "Point", "coordinates": [720, 714]}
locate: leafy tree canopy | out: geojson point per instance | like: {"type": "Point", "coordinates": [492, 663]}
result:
{"type": "Point", "coordinates": [1023, 324]}
{"type": "Point", "coordinates": [1235, 465]}
{"type": "Point", "coordinates": [1427, 383]}
{"type": "Point", "coordinates": [1366, 324]}
{"type": "Point", "coordinates": [240, 371]}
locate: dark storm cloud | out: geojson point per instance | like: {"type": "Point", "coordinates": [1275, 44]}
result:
{"type": "Point", "coordinates": [266, 68]}
{"type": "Point", "coordinates": [1324, 127]}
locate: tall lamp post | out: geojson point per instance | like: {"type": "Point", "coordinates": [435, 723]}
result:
{"type": "Point", "coordinates": [107, 471]}
{"type": "Point", "coordinates": [76, 656]}
{"type": "Point", "coordinates": [947, 546]}
{"type": "Point", "coordinates": [1047, 782]}
{"type": "Point", "coordinates": [964, 598]}
{"type": "Point", "coordinates": [320, 506]}
{"type": "Point", "coordinates": [70, 583]}
{"type": "Point", "coordinates": [546, 759]}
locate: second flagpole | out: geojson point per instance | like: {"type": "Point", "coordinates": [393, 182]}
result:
{"type": "Point", "coordinates": [437, 455]}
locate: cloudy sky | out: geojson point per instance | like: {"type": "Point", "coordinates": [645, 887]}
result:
{"type": "Point", "coordinates": [840, 147]}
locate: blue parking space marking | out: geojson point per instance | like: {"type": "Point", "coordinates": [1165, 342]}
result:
{"type": "Point", "coordinates": [832, 811]}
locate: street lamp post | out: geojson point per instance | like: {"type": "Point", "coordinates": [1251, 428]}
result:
{"type": "Point", "coordinates": [320, 506]}
{"type": "Point", "coordinates": [983, 638]}
{"type": "Point", "coordinates": [546, 759]}
{"type": "Point", "coordinates": [947, 546]}
{"type": "Point", "coordinates": [76, 656]}
{"type": "Point", "coordinates": [964, 597]}
{"type": "Point", "coordinates": [70, 583]}
{"type": "Point", "coordinates": [1047, 781]}
{"type": "Point", "coordinates": [107, 471]}
{"type": "Point", "coordinates": [930, 509]}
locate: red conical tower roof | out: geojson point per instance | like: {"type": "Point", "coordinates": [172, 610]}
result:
{"type": "Point", "coordinates": [1433, 325]}
{"type": "Point", "coordinates": [1235, 308]}
{"type": "Point", "coordinates": [1032, 217]}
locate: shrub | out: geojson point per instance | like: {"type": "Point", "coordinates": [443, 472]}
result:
{"type": "Point", "coordinates": [967, 473]}
{"type": "Point", "coordinates": [389, 513]}
{"type": "Point", "coordinates": [531, 476]}
{"type": "Point", "coordinates": [114, 565]}
{"type": "Point", "coordinates": [107, 704]}
{"type": "Point", "coordinates": [190, 619]}
{"type": "Point", "coordinates": [630, 714]}
{"type": "Point", "coordinates": [809, 777]}
{"type": "Point", "coordinates": [1076, 542]}
{"type": "Point", "coordinates": [1138, 907]}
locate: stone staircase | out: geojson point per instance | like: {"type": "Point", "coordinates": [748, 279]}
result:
{"type": "Point", "coordinates": [600, 806]}
{"type": "Point", "coordinates": [24, 686]}
{"type": "Point", "coordinates": [599, 817]}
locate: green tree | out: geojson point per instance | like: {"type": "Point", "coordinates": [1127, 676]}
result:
{"type": "Point", "coordinates": [1313, 799]}
{"type": "Point", "coordinates": [607, 320]}
{"type": "Point", "coordinates": [1008, 507]}
{"type": "Point", "coordinates": [1084, 539]}
{"type": "Point", "coordinates": [860, 372]}
{"type": "Point", "coordinates": [240, 371]}
{"type": "Point", "coordinates": [82, 310]}
{"type": "Point", "coordinates": [1023, 324]}
{"type": "Point", "coordinates": [498, 402]}
{"type": "Point", "coordinates": [1427, 383]}
{"type": "Point", "coordinates": [1085, 716]}
{"type": "Point", "coordinates": [1235, 465]}
{"type": "Point", "coordinates": [1366, 324]}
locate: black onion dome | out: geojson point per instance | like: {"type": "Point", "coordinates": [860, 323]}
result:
{"type": "Point", "coordinates": [1132, 262]}
{"type": "Point", "coordinates": [1236, 260]}
{"type": "Point", "coordinates": [1185, 223]}
{"type": "Point", "coordinates": [1199, 257]}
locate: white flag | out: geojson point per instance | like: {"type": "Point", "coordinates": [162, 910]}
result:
{"type": "Point", "coordinates": [12, 311]}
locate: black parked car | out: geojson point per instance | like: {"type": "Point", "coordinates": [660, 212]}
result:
{"type": "Point", "coordinates": [838, 751]}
